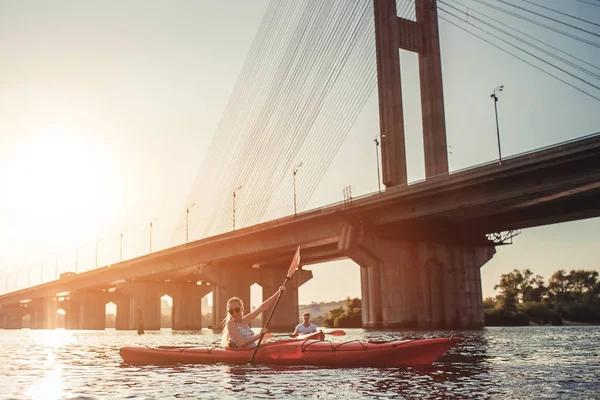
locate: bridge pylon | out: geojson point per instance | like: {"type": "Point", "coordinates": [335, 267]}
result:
{"type": "Point", "coordinates": [422, 37]}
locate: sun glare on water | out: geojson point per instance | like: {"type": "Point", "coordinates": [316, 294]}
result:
{"type": "Point", "coordinates": [51, 385]}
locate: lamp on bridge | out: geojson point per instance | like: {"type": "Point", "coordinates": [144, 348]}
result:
{"type": "Point", "coordinates": [377, 158]}
{"type": "Point", "coordinates": [121, 247]}
{"type": "Point", "coordinates": [296, 168]}
{"type": "Point", "coordinates": [495, 98]}
{"type": "Point", "coordinates": [187, 216]}
{"type": "Point", "coordinates": [237, 189]}
{"type": "Point", "coordinates": [153, 219]}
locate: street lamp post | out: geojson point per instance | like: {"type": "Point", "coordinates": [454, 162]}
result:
{"type": "Point", "coordinates": [495, 98]}
{"type": "Point", "coordinates": [42, 273]}
{"type": "Point", "coordinates": [151, 224]}
{"type": "Point", "coordinates": [187, 217]}
{"type": "Point", "coordinates": [296, 168]}
{"type": "Point", "coordinates": [234, 194]}
{"type": "Point", "coordinates": [121, 246]}
{"type": "Point", "coordinates": [377, 155]}
{"type": "Point", "coordinates": [29, 276]}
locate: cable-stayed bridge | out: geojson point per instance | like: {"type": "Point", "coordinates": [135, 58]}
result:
{"type": "Point", "coordinates": [419, 246]}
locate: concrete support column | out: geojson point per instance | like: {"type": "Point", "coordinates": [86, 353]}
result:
{"type": "Point", "coordinates": [14, 321]}
{"type": "Point", "coordinates": [43, 314]}
{"type": "Point", "coordinates": [435, 294]}
{"type": "Point", "coordinates": [12, 317]}
{"type": "Point", "coordinates": [123, 303]}
{"type": "Point", "coordinates": [374, 296]}
{"type": "Point", "coordinates": [187, 305]}
{"type": "Point", "coordinates": [391, 116]}
{"type": "Point", "coordinates": [418, 284]}
{"type": "Point", "coordinates": [149, 308]}
{"type": "Point", "coordinates": [37, 311]}
{"type": "Point", "coordinates": [426, 281]}
{"type": "Point", "coordinates": [432, 93]}
{"type": "Point", "coordinates": [365, 297]}
{"type": "Point", "coordinates": [140, 298]}
{"type": "Point", "coordinates": [215, 323]}
{"type": "Point", "coordinates": [233, 281]}
{"type": "Point", "coordinates": [401, 288]}
{"type": "Point", "coordinates": [92, 309]}
{"type": "Point", "coordinates": [286, 315]}
{"type": "Point", "coordinates": [72, 315]}
{"type": "Point", "coordinates": [470, 277]}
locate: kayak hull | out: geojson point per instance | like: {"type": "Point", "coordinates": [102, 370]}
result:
{"type": "Point", "coordinates": [301, 352]}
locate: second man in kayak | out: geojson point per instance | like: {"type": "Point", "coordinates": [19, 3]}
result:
{"type": "Point", "coordinates": [305, 327]}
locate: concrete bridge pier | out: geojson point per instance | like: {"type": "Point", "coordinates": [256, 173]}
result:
{"type": "Point", "coordinates": [43, 313]}
{"type": "Point", "coordinates": [12, 317]}
{"type": "Point", "coordinates": [13, 321]}
{"type": "Point", "coordinates": [88, 309]}
{"type": "Point", "coordinates": [228, 282]}
{"type": "Point", "coordinates": [71, 308]}
{"type": "Point", "coordinates": [144, 298]}
{"type": "Point", "coordinates": [123, 303]}
{"type": "Point", "coordinates": [187, 305]}
{"type": "Point", "coordinates": [418, 284]}
{"type": "Point", "coordinates": [235, 281]}
{"type": "Point", "coordinates": [286, 316]}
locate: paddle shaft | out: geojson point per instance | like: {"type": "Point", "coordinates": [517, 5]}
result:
{"type": "Point", "coordinates": [337, 332]}
{"type": "Point", "coordinates": [287, 278]}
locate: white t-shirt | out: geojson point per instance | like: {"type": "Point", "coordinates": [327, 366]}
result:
{"type": "Point", "coordinates": [306, 329]}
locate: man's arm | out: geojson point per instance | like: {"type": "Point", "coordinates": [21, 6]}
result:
{"type": "Point", "coordinates": [296, 333]}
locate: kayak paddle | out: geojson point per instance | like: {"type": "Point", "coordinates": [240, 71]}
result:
{"type": "Point", "coordinates": [336, 332]}
{"type": "Point", "coordinates": [293, 267]}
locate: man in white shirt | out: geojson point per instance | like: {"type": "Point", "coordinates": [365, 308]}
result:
{"type": "Point", "coordinates": [305, 326]}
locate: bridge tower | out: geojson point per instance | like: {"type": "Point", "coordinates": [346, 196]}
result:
{"type": "Point", "coordinates": [422, 37]}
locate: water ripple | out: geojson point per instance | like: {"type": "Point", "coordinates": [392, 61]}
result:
{"type": "Point", "coordinates": [517, 362]}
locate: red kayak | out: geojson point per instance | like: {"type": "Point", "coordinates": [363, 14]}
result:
{"type": "Point", "coordinates": [301, 352]}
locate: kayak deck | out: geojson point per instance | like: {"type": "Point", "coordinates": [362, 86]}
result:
{"type": "Point", "coordinates": [301, 352]}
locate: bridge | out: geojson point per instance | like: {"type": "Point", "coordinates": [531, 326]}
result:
{"type": "Point", "coordinates": [419, 246]}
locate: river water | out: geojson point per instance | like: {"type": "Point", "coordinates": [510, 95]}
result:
{"type": "Point", "coordinates": [513, 363]}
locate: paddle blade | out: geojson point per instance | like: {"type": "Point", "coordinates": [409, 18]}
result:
{"type": "Point", "coordinates": [337, 332]}
{"type": "Point", "coordinates": [295, 263]}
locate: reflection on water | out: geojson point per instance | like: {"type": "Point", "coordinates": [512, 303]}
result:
{"type": "Point", "coordinates": [50, 387]}
{"type": "Point", "coordinates": [520, 362]}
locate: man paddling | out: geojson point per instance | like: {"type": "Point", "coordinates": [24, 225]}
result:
{"type": "Point", "coordinates": [305, 327]}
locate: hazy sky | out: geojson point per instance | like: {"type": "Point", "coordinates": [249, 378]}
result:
{"type": "Point", "coordinates": [107, 110]}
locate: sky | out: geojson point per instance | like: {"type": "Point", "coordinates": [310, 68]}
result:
{"type": "Point", "coordinates": [107, 110]}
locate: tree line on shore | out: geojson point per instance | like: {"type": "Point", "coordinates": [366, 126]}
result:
{"type": "Point", "coordinates": [345, 317]}
{"type": "Point", "coordinates": [524, 297]}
